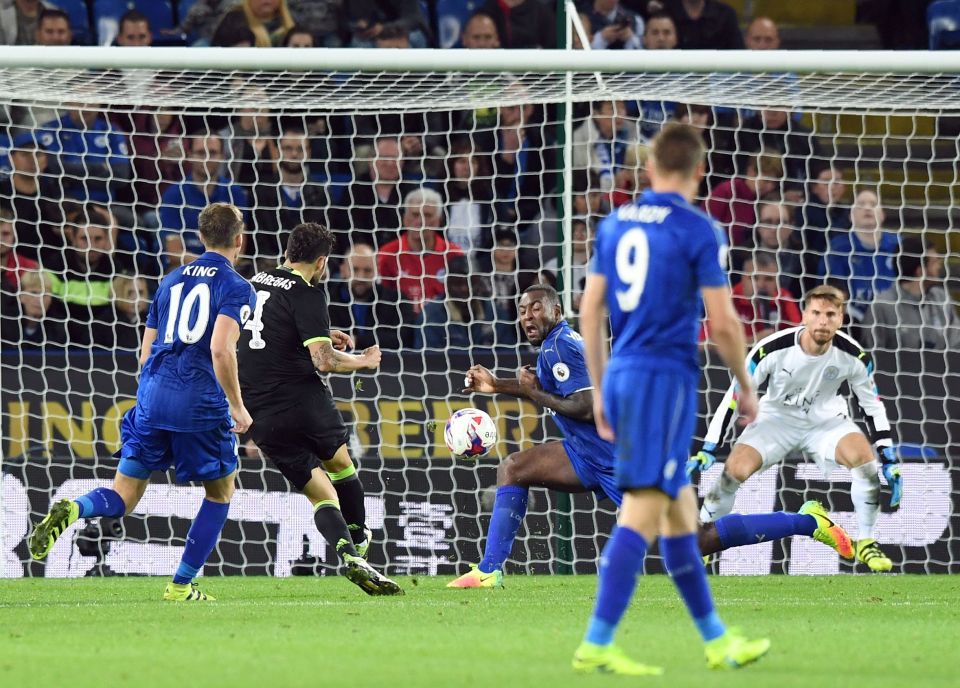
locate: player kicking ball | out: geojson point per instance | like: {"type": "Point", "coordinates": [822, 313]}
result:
{"type": "Point", "coordinates": [189, 407]}
{"type": "Point", "coordinates": [285, 346]}
{"type": "Point", "coordinates": [804, 368]}
{"type": "Point", "coordinates": [582, 461]}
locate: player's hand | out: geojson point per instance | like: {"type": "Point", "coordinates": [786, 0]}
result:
{"type": "Point", "coordinates": [891, 471]}
{"type": "Point", "coordinates": [242, 420]}
{"type": "Point", "coordinates": [604, 429]}
{"type": "Point", "coordinates": [527, 378]}
{"type": "Point", "coordinates": [747, 406]}
{"type": "Point", "coordinates": [341, 340]}
{"type": "Point", "coordinates": [372, 356]}
{"type": "Point", "coordinates": [479, 379]}
{"type": "Point", "coordinates": [702, 460]}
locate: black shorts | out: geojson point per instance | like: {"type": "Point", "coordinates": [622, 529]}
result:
{"type": "Point", "coordinates": [299, 439]}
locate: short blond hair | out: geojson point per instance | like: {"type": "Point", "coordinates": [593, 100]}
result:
{"type": "Point", "coordinates": [37, 281]}
{"type": "Point", "coordinates": [826, 292]}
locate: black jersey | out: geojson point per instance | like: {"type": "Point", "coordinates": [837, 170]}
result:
{"type": "Point", "coordinates": [276, 370]}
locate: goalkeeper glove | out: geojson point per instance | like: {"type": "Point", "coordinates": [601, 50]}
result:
{"type": "Point", "coordinates": [702, 460]}
{"type": "Point", "coordinates": [890, 468]}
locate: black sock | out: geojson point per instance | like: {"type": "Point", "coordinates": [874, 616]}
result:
{"type": "Point", "coordinates": [350, 494]}
{"type": "Point", "coordinates": [331, 525]}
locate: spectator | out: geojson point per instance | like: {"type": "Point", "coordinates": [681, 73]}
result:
{"type": "Point", "coordinates": [369, 18]}
{"type": "Point", "coordinates": [582, 246]}
{"type": "Point", "coordinates": [632, 178]}
{"type": "Point", "coordinates": [660, 33]}
{"type": "Point", "coordinates": [480, 31]}
{"type": "Point", "coordinates": [283, 197]}
{"type": "Point", "coordinates": [705, 24]}
{"type": "Point", "coordinates": [134, 30]}
{"type": "Point", "coordinates": [156, 140]}
{"type": "Point", "coordinates": [522, 23]}
{"type": "Point", "coordinates": [250, 141]}
{"type": "Point", "coordinates": [825, 214]}
{"type": "Point", "coordinates": [130, 299]}
{"type": "Point", "coordinates": [762, 34]}
{"type": "Point", "coordinates": [733, 202]}
{"type": "Point", "coordinates": [463, 319]}
{"type": "Point", "coordinates": [233, 35]}
{"type": "Point", "coordinates": [371, 212]}
{"type": "Point", "coordinates": [12, 263]}
{"type": "Point", "coordinates": [718, 141]}
{"type": "Point", "coordinates": [325, 20]}
{"type": "Point", "coordinates": [864, 256]}
{"type": "Point", "coordinates": [267, 20]}
{"type": "Point", "coordinates": [84, 274]}
{"type": "Point", "coordinates": [469, 198]}
{"type": "Point", "coordinates": [764, 307]}
{"type": "Point", "coordinates": [33, 319]}
{"type": "Point", "coordinates": [777, 234]}
{"type": "Point", "coordinates": [19, 21]}
{"type": "Point", "coordinates": [600, 144]}
{"type": "Point", "coordinates": [772, 130]}
{"type": "Point", "coordinates": [592, 206]}
{"type": "Point", "coordinates": [615, 27]}
{"type": "Point", "coordinates": [415, 263]}
{"type": "Point", "coordinates": [204, 18]}
{"type": "Point", "coordinates": [507, 284]}
{"type": "Point", "coordinates": [361, 305]}
{"type": "Point", "coordinates": [181, 203]}
{"type": "Point", "coordinates": [916, 312]}
{"type": "Point", "coordinates": [393, 37]}
{"type": "Point", "coordinates": [92, 155]}
{"type": "Point", "coordinates": [298, 37]}
{"type": "Point", "coordinates": [53, 28]}
{"type": "Point", "coordinates": [35, 201]}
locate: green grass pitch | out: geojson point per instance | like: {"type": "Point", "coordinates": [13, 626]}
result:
{"type": "Point", "coordinates": [876, 631]}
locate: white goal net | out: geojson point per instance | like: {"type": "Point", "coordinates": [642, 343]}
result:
{"type": "Point", "coordinates": [512, 159]}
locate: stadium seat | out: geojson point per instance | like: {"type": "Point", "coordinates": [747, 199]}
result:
{"type": "Point", "coordinates": [79, 19]}
{"type": "Point", "coordinates": [183, 6]}
{"type": "Point", "coordinates": [943, 19]}
{"type": "Point", "coordinates": [107, 13]}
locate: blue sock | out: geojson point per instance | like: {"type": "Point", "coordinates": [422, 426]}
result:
{"type": "Point", "coordinates": [101, 502]}
{"type": "Point", "coordinates": [509, 508]}
{"type": "Point", "coordinates": [620, 564]}
{"type": "Point", "coordinates": [738, 529]}
{"type": "Point", "coordinates": [681, 557]}
{"type": "Point", "coordinates": [201, 539]}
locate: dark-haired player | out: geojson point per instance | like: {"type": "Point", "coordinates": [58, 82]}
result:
{"type": "Point", "coordinates": [284, 347]}
{"type": "Point", "coordinates": [189, 407]}
{"type": "Point", "coordinates": [582, 461]}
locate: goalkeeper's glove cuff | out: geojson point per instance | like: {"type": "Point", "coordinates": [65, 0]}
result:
{"type": "Point", "coordinates": [702, 460]}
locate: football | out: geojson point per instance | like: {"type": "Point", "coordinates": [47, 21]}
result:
{"type": "Point", "coordinates": [470, 433]}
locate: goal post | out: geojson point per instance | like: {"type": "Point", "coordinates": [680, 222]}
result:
{"type": "Point", "coordinates": [104, 151]}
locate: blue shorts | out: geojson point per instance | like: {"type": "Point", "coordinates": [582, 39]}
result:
{"type": "Point", "coordinates": [602, 480]}
{"type": "Point", "coordinates": [206, 455]}
{"type": "Point", "coordinates": [654, 415]}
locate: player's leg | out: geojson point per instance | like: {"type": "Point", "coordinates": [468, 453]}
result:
{"type": "Point", "coordinates": [853, 450]}
{"type": "Point", "coordinates": [737, 530]}
{"type": "Point", "coordinates": [330, 522]}
{"type": "Point", "coordinates": [681, 558]}
{"type": "Point", "coordinates": [144, 451]}
{"type": "Point", "coordinates": [346, 482]}
{"type": "Point", "coordinates": [545, 465]}
{"type": "Point", "coordinates": [743, 462]}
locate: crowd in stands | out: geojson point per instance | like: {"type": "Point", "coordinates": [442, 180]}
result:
{"type": "Point", "coordinates": [442, 219]}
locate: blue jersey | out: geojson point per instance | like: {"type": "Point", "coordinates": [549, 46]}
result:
{"type": "Point", "coordinates": [656, 254]}
{"type": "Point", "coordinates": [95, 155]}
{"type": "Point", "coordinates": [178, 388]}
{"type": "Point", "coordinates": [182, 203]}
{"type": "Point", "coordinates": [562, 371]}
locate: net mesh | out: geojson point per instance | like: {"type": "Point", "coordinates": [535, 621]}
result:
{"type": "Point", "coordinates": [104, 173]}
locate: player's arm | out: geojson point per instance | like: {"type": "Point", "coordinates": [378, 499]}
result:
{"type": "Point", "coordinates": [223, 351]}
{"type": "Point", "coordinates": [593, 329]}
{"type": "Point", "coordinates": [327, 359]}
{"type": "Point", "coordinates": [578, 405]}
{"type": "Point", "coordinates": [727, 332]}
{"type": "Point", "coordinates": [149, 337]}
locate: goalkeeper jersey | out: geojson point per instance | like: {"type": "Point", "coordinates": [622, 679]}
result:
{"type": "Point", "coordinates": [804, 389]}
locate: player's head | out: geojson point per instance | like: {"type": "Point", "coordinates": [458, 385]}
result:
{"type": "Point", "coordinates": [309, 246]}
{"type": "Point", "coordinates": [539, 312]}
{"type": "Point", "coordinates": [676, 161]}
{"type": "Point", "coordinates": [221, 229]}
{"type": "Point", "coordinates": [823, 312]}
